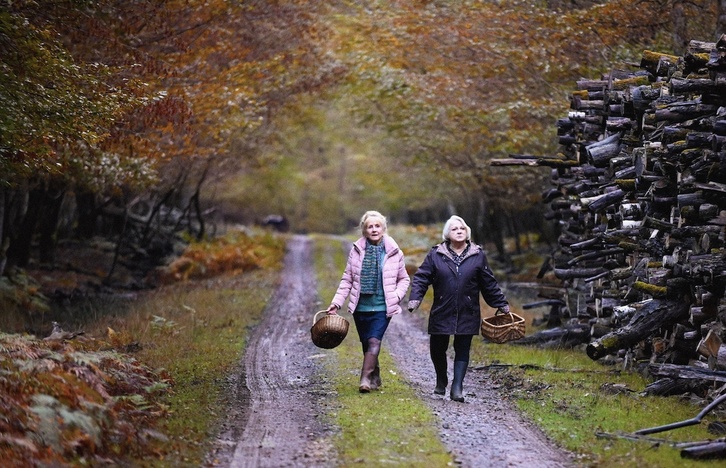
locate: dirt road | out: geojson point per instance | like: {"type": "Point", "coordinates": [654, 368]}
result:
{"type": "Point", "coordinates": [273, 422]}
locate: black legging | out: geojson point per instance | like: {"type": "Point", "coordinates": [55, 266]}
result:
{"type": "Point", "coordinates": [440, 343]}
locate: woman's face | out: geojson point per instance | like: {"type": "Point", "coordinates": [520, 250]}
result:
{"type": "Point", "coordinates": [457, 232]}
{"type": "Point", "coordinates": [374, 230]}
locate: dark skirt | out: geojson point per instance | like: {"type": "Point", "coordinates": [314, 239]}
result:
{"type": "Point", "coordinates": [371, 324]}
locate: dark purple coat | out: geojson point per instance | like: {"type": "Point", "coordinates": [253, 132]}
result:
{"type": "Point", "coordinates": [455, 310]}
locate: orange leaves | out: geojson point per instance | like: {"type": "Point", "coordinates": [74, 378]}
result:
{"type": "Point", "coordinates": [234, 253]}
{"type": "Point", "coordinates": [61, 404]}
{"type": "Point", "coordinates": [166, 110]}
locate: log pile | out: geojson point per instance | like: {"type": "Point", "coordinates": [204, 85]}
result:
{"type": "Point", "coordinates": [639, 198]}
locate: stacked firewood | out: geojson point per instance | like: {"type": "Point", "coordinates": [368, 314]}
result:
{"type": "Point", "coordinates": [639, 197]}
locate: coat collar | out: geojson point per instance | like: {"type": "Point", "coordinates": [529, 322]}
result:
{"type": "Point", "coordinates": [474, 249]}
{"type": "Point", "coordinates": [390, 245]}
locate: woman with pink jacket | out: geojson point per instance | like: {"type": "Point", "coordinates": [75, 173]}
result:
{"type": "Point", "coordinates": [374, 282]}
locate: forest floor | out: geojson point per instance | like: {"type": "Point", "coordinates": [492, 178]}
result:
{"type": "Point", "coordinates": [280, 398]}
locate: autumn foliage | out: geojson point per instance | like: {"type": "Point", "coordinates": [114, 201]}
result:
{"type": "Point", "coordinates": [116, 115]}
{"type": "Point", "coordinates": [234, 253]}
{"type": "Point", "coordinates": [108, 106]}
{"type": "Point", "coordinates": [75, 401]}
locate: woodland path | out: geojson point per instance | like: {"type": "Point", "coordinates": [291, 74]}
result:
{"type": "Point", "coordinates": [272, 419]}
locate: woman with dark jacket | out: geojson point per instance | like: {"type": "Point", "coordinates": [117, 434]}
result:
{"type": "Point", "coordinates": [458, 270]}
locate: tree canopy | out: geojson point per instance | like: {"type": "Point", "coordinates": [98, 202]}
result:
{"type": "Point", "coordinates": [300, 108]}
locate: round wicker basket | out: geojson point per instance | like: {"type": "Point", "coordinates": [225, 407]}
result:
{"type": "Point", "coordinates": [329, 331]}
{"type": "Point", "coordinates": [503, 327]}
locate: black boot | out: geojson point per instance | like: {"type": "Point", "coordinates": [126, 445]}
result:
{"type": "Point", "coordinates": [442, 380]}
{"type": "Point", "coordinates": [457, 386]}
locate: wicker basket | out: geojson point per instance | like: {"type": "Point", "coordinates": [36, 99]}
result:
{"type": "Point", "coordinates": [329, 331]}
{"type": "Point", "coordinates": [502, 327]}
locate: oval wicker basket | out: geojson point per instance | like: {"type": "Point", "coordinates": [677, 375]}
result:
{"type": "Point", "coordinates": [503, 327]}
{"type": "Point", "coordinates": [329, 331]}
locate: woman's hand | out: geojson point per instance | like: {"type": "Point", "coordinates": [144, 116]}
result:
{"type": "Point", "coordinates": [333, 309]}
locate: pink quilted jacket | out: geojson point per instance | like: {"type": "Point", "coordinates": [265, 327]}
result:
{"type": "Point", "coordinates": [395, 277]}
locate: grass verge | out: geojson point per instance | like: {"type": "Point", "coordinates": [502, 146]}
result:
{"type": "Point", "coordinates": [573, 398]}
{"type": "Point", "coordinates": [197, 332]}
{"type": "Point", "coordinates": [389, 426]}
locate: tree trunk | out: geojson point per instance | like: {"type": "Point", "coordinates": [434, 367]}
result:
{"type": "Point", "coordinates": [494, 223]}
{"type": "Point", "coordinates": [4, 238]}
{"type": "Point", "coordinates": [48, 225]}
{"type": "Point", "coordinates": [566, 336]}
{"type": "Point", "coordinates": [721, 19]}
{"type": "Point", "coordinates": [87, 214]}
{"type": "Point", "coordinates": [668, 386]}
{"type": "Point", "coordinates": [687, 372]}
{"type": "Point", "coordinates": [514, 230]}
{"type": "Point", "coordinates": [20, 243]}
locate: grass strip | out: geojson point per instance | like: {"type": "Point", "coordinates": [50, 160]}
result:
{"type": "Point", "coordinates": [573, 398]}
{"type": "Point", "coordinates": [197, 331]}
{"type": "Point", "coordinates": [388, 426]}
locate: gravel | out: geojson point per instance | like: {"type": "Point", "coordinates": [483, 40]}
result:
{"type": "Point", "coordinates": [278, 400]}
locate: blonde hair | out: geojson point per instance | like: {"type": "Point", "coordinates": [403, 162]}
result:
{"type": "Point", "coordinates": [372, 214]}
{"type": "Point", "coordinates": [447, 227]}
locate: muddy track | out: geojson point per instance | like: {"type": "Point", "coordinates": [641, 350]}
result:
{"type": "Point", "coordinates": [485, 430]}
{"type": "Point", "coordinates": [279, 397]}
{"type": "Point", "coordinates": [276, 402]}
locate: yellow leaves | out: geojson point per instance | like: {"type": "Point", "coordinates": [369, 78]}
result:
{"type": "Point", "coordinates": [119, 340]}
{"type": "Point", "coordinates": [232, 254]}
{"type": "Point", "coordinates": [63, 403]}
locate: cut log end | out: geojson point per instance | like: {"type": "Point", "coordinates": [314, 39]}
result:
{"type": "Point", "coordinates": [595, 351]}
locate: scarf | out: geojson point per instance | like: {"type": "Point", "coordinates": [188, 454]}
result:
{"type": "Point", "coordinates": [458, 258]}
{"type": "Point", "coordinates": [371, 269]}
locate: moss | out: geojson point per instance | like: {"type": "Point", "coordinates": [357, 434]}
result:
{"type": "Point", "coordinates": [652, 289]}
{"type": "Point", "coordinates": [629, 82]}
{"type": "Point", "coordinates": [629, 246]}
{"type": "Point", "coordinates": [626, 184]}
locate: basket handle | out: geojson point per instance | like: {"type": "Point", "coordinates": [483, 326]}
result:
{"type": "Point", "coordinates": [315, 317]}
{"type": "Point", "coordinates": [500, 312]}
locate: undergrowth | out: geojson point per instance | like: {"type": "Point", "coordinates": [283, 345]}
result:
{"type": "Point", "coordinates": [76, 401]}
{"type": "Point", "coordinates": [92, 401]}
{"type": "Point", "coordinates": [587, 407]}
{"type": "Point", "coordinates": [234, 253]}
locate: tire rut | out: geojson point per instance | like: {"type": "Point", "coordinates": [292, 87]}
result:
{"type": "Point", "coordinates": [277, 410]}
{"type": "Point", "coordinates": [485, 430]}
{"type": "Point", "coordinates": [274, 417]}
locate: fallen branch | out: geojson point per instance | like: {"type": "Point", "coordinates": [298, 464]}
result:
{"type": "Point", "coordinates": [687, 422]}
{"type": "Point", "coordinates": [653, 440]}
{"type": "Point", "coordinates": [712, 450]}
{"type": "Point", "coordinates": [544, 368]}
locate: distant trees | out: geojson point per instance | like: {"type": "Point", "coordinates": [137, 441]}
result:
{"type": "Point", "coordinates": [114, 114]}
{"type": "Point", "coordinates": [463, 82]}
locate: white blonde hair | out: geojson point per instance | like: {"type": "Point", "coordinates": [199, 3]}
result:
{"type": "Point", "coordinates": [447, 227]}
{"type": "Point", "coordinates": [372, 214]}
